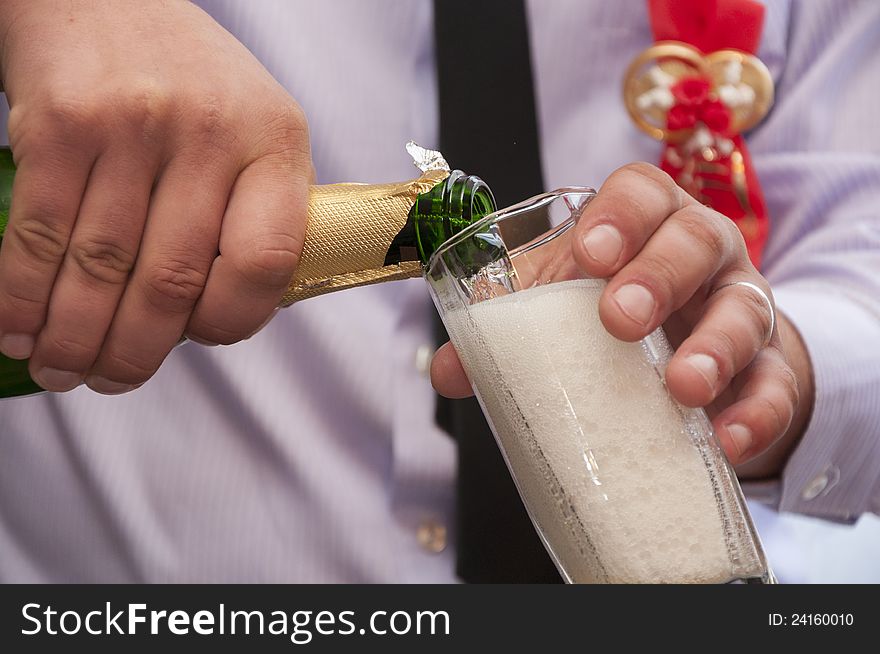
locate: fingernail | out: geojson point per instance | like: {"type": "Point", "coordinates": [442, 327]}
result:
{"type": "Point", "coordinates": [17, 346]}
{"type": "Point", "coordinates": [706, 366]}
{"type": "Point", "coordinates": [636, 302]}
{"type": "Point", "coordinates": [604, 244]}
{"type": "Point", "coordinates": [741, 437]}
{"type": "Point", "coordinates": [107, 387]}
{"type": "Point", "coordinates": [57, 381]}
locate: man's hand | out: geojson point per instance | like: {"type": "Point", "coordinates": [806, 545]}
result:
{"type": "Point", "coordinates": [161, 188]}
{"type": "Point", "coordinates": [670, 261]}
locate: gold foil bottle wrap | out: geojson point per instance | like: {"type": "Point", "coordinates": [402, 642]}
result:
{"type": "Point", "coordinates": [350, 229]}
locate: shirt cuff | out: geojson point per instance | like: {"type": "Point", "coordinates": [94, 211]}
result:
{"type": "Point", "coordinates": [834, 470]}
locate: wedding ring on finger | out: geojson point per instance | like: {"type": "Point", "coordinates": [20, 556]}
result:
{"type": "Point", "coordinates": [757, 289]}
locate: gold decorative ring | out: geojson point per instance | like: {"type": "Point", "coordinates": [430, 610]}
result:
{"type": "Point", "coordinates": [677, 60]}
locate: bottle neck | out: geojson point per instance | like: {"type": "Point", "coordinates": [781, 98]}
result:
{"type": "Point", "coordinates": [436, 216]}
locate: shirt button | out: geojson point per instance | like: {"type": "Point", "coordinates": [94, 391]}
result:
{"type": "Point", "coordinates": [432, 536]}
{"type": "Point", "coordinates": [424, 354]}
{"type": "Point", "coordinates": [818, 484]}
{"type": "Point", "coordinates": [822, 483]}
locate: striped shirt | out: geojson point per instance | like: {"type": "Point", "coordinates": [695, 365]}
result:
{"type": "Point", "coordinates": [309, 453]}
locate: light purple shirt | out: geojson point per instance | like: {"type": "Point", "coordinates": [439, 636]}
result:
{"type": "Point", "coordinates": [309, 453]}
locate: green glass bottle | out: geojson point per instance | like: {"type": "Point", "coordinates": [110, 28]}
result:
{"type": "Point", "coordinates": [435, 215]}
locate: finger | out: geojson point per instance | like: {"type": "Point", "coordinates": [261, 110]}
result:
{"type": "Point", "coordinates": [763, 409]}
{"type": "Point", "coordinates": [447, 374]}
{"type": "Point", "coordinates": [260, 243]}
{"type": "Point", "coordinates": [46, 196]}
{"type": "Point", "coordinates": [101, 254]}
{"type": "Point", "coordinates": [629, 207]}
{"type": "Point", "coordinates": [179, 243]}
{"type": "Point", "coordinates": [731, 332]}
{"type": "Point", "coordinates": [688, 250]}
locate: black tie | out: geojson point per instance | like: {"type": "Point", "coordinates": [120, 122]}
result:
{"type": "Point", "coordinates": [488, 128]}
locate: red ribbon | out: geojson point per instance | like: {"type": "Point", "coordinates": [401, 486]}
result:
{"type": "Point", "coordinates": [711, 25]}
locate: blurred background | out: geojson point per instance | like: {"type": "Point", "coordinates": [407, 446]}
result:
{"type": "Point", "coordinates": [810, 551]}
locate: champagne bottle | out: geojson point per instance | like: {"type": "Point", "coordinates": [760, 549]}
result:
{"type": "Point", "coordinates": [357, 234]}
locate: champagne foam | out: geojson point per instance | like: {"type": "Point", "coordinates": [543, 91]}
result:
{"type": "Point", "coordinates": [615, 475]}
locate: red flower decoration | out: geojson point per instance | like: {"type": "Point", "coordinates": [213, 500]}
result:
{"type": "Point", "coordinates": [691, 91]}
{"type": "Point", "coordinates": [715, 115]}
{"type": "Point", "coordinates": [681, 116]}
{"type": "Point", "coordinates": [693, 103]}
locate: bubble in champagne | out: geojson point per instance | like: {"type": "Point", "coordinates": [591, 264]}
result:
{"type": "Point", "coordinates": [602, 454]}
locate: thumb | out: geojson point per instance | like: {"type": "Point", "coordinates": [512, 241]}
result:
{"type": "Point", "coordinates": [447, 374]}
